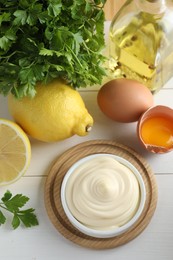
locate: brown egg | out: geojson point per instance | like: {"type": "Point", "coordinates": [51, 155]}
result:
{"type": "Point", "coordinates": [124, 100]}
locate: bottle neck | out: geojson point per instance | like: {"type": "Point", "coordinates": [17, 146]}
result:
{"type": "Point", "coordinates": [152, 6]}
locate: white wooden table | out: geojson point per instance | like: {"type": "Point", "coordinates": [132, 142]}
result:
{"type": "Point", "coordinates": [44, 242]}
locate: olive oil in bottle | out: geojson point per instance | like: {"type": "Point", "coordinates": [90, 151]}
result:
{"type": "Point", "coordinates": [141, 43]}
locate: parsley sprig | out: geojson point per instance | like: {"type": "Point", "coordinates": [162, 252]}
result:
{"type": "Point", "coordinates": [42, 40]}
{"type": "Point", "coordinates": [13, 204]}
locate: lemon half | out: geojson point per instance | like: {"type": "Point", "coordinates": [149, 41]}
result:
{"type": "Point", "coordinates": [15, 152]}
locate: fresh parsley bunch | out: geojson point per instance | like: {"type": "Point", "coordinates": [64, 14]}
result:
{"type": "Point", "coordinates": [41, 40]}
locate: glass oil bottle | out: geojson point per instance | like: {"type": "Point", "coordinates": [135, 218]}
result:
{"type": "Point", "coordinates": [141, 43]}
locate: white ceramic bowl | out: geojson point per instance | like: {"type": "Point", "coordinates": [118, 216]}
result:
{"type": "Point", "coordinates": [111, 232]}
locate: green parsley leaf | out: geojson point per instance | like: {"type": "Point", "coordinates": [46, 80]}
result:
{"type": "Point", "coordinates": [2, 218]}
{"type": "Point", "coordinates": [5, 17]}
{"type": "Point", "coordinates": [54, 8]}
{"type": "Point", "coordinates": [7, 196]}
{"type": "Point", "coordinates": [28, 218]}
{"type": "Point", "coordinates": [14, 204]}
{"type": "Point", "coordinates": [21, 16]}
{"type": "Point", "coordinates": [15, 222]}
{"type": "Point", "coordinates": [46, 52]}
{"type": "Point", "coordinates": [4, 43]}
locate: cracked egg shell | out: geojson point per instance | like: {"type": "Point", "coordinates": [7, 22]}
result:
{"type": "Point", "coordinates": [124, 100]}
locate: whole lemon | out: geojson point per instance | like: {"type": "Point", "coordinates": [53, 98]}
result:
{"type": "Point", "coordinates": [55, 113]}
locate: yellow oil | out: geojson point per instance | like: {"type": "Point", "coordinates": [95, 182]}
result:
{"type": "Point", "coordinates": [158, 131]}
{"type": "Point", "coordinates": [141, 51]}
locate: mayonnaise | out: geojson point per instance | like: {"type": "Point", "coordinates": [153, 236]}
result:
{"type": "Point", "coordinates": [102, 193]}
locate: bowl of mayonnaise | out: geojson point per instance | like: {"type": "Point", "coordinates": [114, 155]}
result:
{"type": "Point", "coordinates": [103, 195]}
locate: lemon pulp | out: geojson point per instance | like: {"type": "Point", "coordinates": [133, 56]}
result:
{"type": "Point", "coordinates": [15, 152]}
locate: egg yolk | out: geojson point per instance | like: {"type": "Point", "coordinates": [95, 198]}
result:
{"type": "Point", "coordinates": [158, 131]}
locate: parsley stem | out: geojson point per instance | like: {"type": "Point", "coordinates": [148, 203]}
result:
{"type": "Point", "coordinates": [13, 53]}
{"type": "Point", "coordinates": [74, 56]}
{"type": "Point", "coordinates": [88, 49]}
{"type": "Point", "coordinates": [1, 206]}
{"type": "Point", "coordinates": [15, 89]}
{"type": "Point", "coordinates": [7, 8]}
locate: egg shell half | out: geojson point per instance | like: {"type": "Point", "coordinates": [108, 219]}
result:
{"type": "Point", "coordinates": [124, 100]}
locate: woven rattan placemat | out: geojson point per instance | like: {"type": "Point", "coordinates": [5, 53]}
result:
{"type": "Point", "coordinates": [53, 185]}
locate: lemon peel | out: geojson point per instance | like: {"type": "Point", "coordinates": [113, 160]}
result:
{"type": "Point", "coordinates": [55, 113]}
